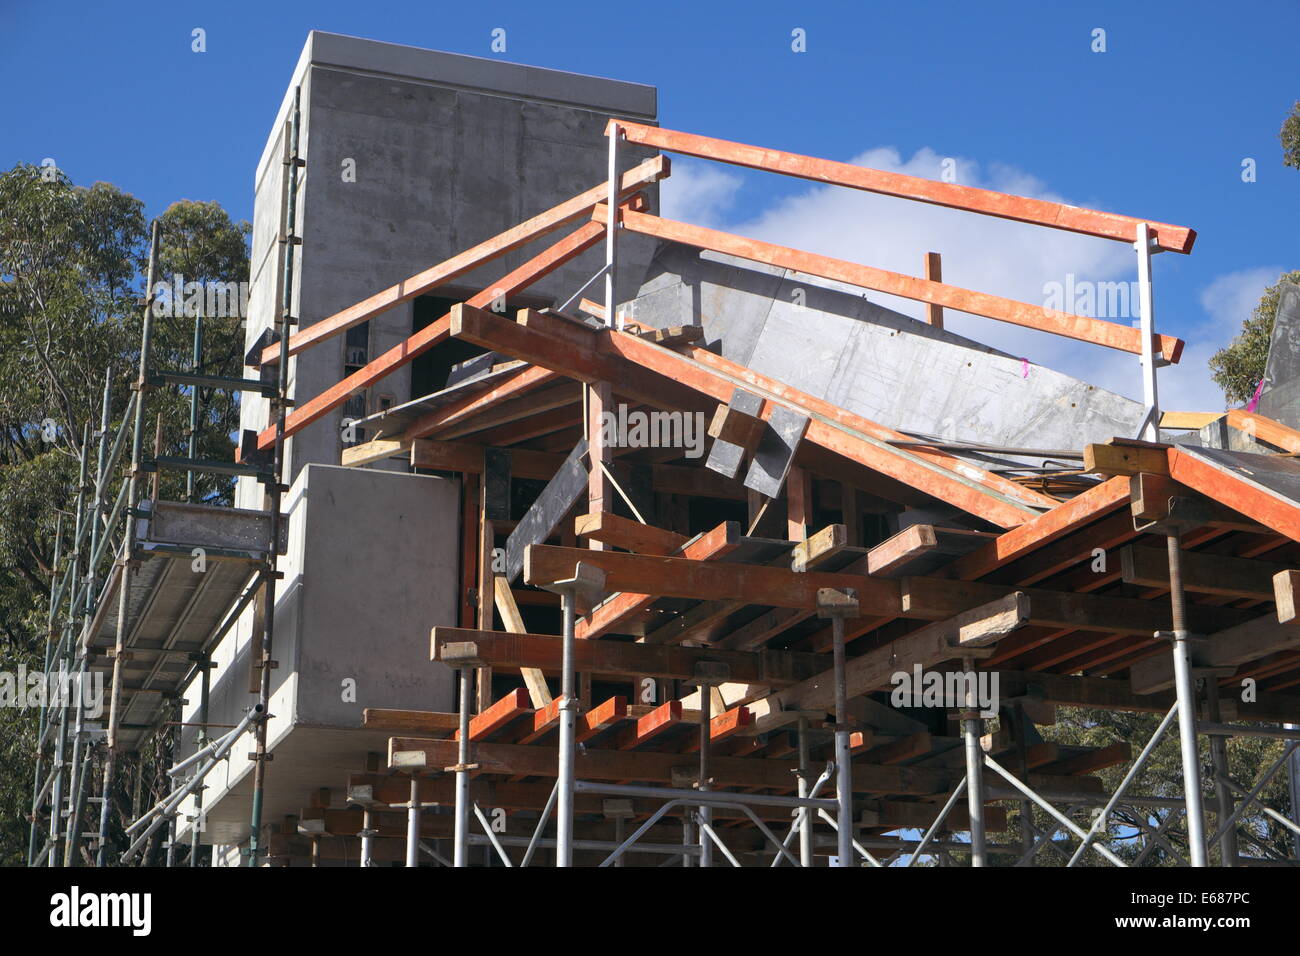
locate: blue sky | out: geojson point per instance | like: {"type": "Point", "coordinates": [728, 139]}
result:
{"type": "Point", "coordinates": [1156, 126]}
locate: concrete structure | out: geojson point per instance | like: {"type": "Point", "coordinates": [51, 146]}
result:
{"type": "Point", "coordinates": [411, 155]}
{"type": "Point", "coordinates": [871, 360]}
{"type": "Point", "coordinates": [372, 561]}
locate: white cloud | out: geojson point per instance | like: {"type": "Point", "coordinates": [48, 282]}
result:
{"type": "Point", "coordinates": [1232, 297]}
{"type": "Point", "coordinates": [698, 193]}
{"type": "Point", "coordinates": [983, 253]}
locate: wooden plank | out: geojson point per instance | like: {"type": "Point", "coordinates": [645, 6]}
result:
{"type": "Point", "coordinates": [534, 680]}
{"type": "Point", "coordinates": [377, 449]}
{"type": "Point", "coordinates": [1230, 647]}
{"type": "Point", "coordinates": [623, 659]}
{"type": "Point", "coordinates": [498, 715]}
{"type": "Point", "coordinates": [467, 457]}
{"type": "Point", "coordinates": [1284, 593]}
{"type": "Point", "coordinates": [922, 548]}
{"type": "Point", "coordinates": [966, 634]}
{"type": "Point", "coordinates": [409, 721]}
{"type": "Point", "coordinates": [628, 534]}
{"type": "Point", "coordinates": [986, 202]}
{"type": "Point", "coordinates": [1265, 429]}
{"type": "Point", "coordinates": [545, 262]}
{"type": "Point", "coordinates": [936, 597]}
{"type": "Point", "coordinates": [1061, 520]}
{"type": "Point", "coordinates": [1188, 420]}
{"type": "Point", "coordinates": [706, 580]}
{"type": "Point", "coordinates": [1204, 573]}
{"type": "Point", "coordinates": [413, 753]}
{"type": "Point", "coordinates": [1126, 457]}
{"type": "Point", "coordinates": [619, 608]}
{"type": "Point", "coordinates": [1078, 327]}
{"type": "Point", "coordinates": [1234, 491]}
{"type": "Point", "coordinates": [650, 171]}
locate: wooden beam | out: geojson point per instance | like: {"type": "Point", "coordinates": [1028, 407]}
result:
{"type": "Point", "coordinates": [921, 548]}
{"type": "Point", "coordinates": [467, 457]}
{"type": "Point", "coordinates": [409, 721]}
{"type": "Point", "coordinates": [627, 533]}
{"type": "Point", "coordinates": [1285, 585]}
{"type": "Point", "coordinates": [626, 660]}
{"type": "Point", "coordinates": [414, 754]}
{"type": "Point", "coordinates": [1188, 420]}
{"type": "Point", "coordinates": [1231, 647]}
{"type": "Point", "coordinates": [705, 580]}
{"type": "Point", "coordinates": [1081, 328]}
{"type": "Point", "coordinates": [498, 715]}
{"type": "Point", "coordinates": [1061, 520]}
{"type": "Point", "coordinates": [965, 635]}
{"type": "Point", "coordinates": [650, 171]}
{"type": "Point", "coordinates": [538, 692]}
{"type": "Point", "coordinates": [1235, 491]}
{"type": "Point", "coordinates": [378, 449]}
{"type": "Point", "coordinates": [659, 376]}
{"type": "Point", "coordinates": [934, 273]}
{"type": "Point", "coordinates": [545, 262]}
{"type": "Point", "coordinates": [938, 597]}
{"type": "Point", "coordinates": [1126, 457]}
{"type": "Point", "coordinates": [1204, 573]}
{"type": "Point", "coordinates": [986, 202]}
{"type": "Point", "coordinates": [1265, 429]}
{"type": "Point", "coordinates": [621, 607]}
{"type": "Point", "coordinates": [736, 428]}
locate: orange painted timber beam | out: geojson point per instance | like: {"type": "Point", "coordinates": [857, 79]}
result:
{"type": "Point", "coordinates": [650, 171]}
{"type": "Point", "coordinates": [1039, 212]}
{"type": "Point", "coordinates": [660, 376]}
{"type": "Point", "coordinates": [1236, 492]}
{"type": "Point", "coordinates": [1061, 520]}
{"type": "Point", "coordinates": [522, 381]}
{"type": "Point", "coordinates": [613, 613]}
{"type": "Point", "coordinates": [499, 714]}
{"type": "Point", "coordinates": [589, 724]}
{"type": "Point", "coordinates": [1079, 327]}
{"type": "Point", "coordinates": [649, 726]}
{"type": "Point", "coordinates": [721, 727]}
{"type": "Point", "coordinates": [601, 717]}
{"type": "Point", "coordinates": [547, 261]}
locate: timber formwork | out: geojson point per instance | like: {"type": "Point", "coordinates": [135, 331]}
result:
{"type": "Point", "coordinates": [723, 642]}
{"type": "Point", "coordinates": [669, 660]}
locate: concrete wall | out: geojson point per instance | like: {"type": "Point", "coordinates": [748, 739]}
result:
{"type": "Point", "coordinates": [888, 367]}
{"type": "Point", "coordinates": [372, 565]}
{"type": "Point", "coordinates": [448, 151]}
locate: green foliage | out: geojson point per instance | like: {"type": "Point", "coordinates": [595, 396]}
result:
{"type": "Point", "coordinates": [72, 264]}
{"type": "Point", "coordinates": [1239, 367]}
{"type": "Point", "coordinates": [1290, 136]}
